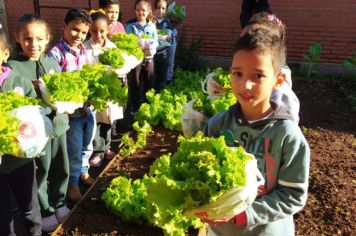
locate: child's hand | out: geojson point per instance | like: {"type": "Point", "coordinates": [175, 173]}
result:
{"type": "Point", "coordinates": [205, 218]}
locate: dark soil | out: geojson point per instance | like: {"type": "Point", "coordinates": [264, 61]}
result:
{"type": "Point", "coordinates": [329, 126]}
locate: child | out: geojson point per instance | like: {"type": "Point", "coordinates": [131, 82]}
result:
{"type": "Point", "coordinates": [17, 175]}
{"type": "Point", "coordinates": [161, 57]}
{"type": "Point", "coordinates": [283, 95]}
{"type": "Point", "coordinates": [112, 12]}
{"type": "Point", "coordinates": [95, 45]}
{"type": "Point", "coordinates": [267, 131]}
{"type": "Point", "coordinates": [140, 79]}
{"type": "Point", "coordinates": [32, 36]}
{"type": "Point", "coordinates": [71, 55]}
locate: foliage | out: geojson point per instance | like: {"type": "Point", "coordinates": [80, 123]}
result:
{"type": "Point", "coordinates": [313, 58]}
{"type": "Point", "coordinates": [201, 170]}
{"type": "Point", "coordinates": [112, 57]}
{"type": "Point", "coordinates": [129, 44]}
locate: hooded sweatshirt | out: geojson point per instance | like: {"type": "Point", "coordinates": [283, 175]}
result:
{"type": "Point", "coordinates": [283, 157]}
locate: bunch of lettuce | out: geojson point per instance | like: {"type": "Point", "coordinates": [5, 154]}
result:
{"type": "Point", "coordinates": [9, 125]}
{"type": "Point", "coordinates": [104, 85]}
{"type": "Point", "coordinates": [67, 87]}
{"type": "Point", "coordinates": [94, 82]}
{"type": "Point", "coordinates": [200, 171]}
{"type": "Point", "coordinates": [129, 44]}
{"type": "Point", "coordinates": [112, 57]}
{"type": "Point", "coordinates": [176, 11]}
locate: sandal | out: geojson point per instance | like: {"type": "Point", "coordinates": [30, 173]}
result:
{"type": "Point", "coordinates": [96, 160]}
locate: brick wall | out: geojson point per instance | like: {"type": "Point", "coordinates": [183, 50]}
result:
{"type": "Point", "coordinates": [331, 23]}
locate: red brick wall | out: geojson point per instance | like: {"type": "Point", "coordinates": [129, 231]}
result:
{"type": "Point", "coordinates": [331, 23]}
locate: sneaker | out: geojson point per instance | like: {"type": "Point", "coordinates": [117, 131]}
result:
{"type": "Point", "coordinates": [49, 223]}
{"type": "Point", "coordinates": [96, 160]}
{"type": "Point", "coordinates": [61, 213]}
{"type": "Point", "coordinates": [74, 193]}
{"type": "Point", "coordinates": [109, 154]}
{"type": "Point", "coordinates": [86, 179]}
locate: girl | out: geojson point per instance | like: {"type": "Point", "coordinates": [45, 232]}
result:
{"type": "Point", "coordinates": [112, 12]}
{"type": "Point", "coordinates": [95, 45]}
{"type": "Point", "coordinates": [32, 36]}
{"type": "Point", "coordinates": [17, 175]}
{"type": "Point", "coordinates": [161, 58]}
{"type": "Point", "coordinates": [140, 79]}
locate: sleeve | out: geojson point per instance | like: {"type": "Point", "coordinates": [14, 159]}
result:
{"type": "Point", "coordinates": [129, 29]}
{"type": "Point", "coordinates": [56, 54]}
{"type": "Point", "coordinates": [19, 85]}
{"type": "Point", "coordinates": [290, 194]}
{"type": "Point", "coordinates": [211, 128]}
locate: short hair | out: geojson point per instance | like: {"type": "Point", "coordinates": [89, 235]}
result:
{"type": "Point", "coordinates": [104, 3]}
{"type": "Point", "coordinates": [77, 14]}
{"type": "Point", "coordinates": [267, 20]}
{"type": "Point", "coordinates": [95, 16]}
{"type": "Point", "coordinates": [267, 41]}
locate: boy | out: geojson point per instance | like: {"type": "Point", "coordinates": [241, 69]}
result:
{"type": "Point", "coordinates": [112, 12]}
{"type": "Point", "coordinates": [266, 130]}
{"type": "Point", "coordinates": [71, 55]}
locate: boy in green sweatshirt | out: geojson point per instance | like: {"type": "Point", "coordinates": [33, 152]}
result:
{"type": "Point", "coordinates": [266, 130]}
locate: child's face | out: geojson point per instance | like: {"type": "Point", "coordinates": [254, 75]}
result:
{"type": "Point", "coordinates": [161, 8]}
{"type": "Point", "coordinates": [4, 54]}
{"type": "Point", "coordinates": [142, 12]}
{"type": "Point", "coordinates": [75, 33]}
{"type": "Point", "coordinates": [99, 31]}
{"type": "Point", "coordinates": [33, 39]}
{"type": "Point", "coordinates": [112, 12]}
{"type": "Point", "coordinates": [253, 79]}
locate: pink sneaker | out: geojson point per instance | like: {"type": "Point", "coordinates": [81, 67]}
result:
{"type": "Point", "coordinates": [96, 160]}
{"type": "Point", "coordinates": [109, 154]}
{"type": "Point", "coordinates": [61, 213]}
{"type": "Point", "coordinates": [49, 223]}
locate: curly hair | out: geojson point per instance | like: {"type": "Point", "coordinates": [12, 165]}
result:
{"type": "Point", "coordinates": [77, 14]}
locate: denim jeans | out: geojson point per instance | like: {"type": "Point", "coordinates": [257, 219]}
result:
{"type": "Point", "coordinates": [171, 55]}
{"type": "Point", "coordinates": [80, 137]}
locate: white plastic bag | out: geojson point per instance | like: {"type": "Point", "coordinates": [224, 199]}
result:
{"type": "Point", "coordinates": [110, 114]}
{"type": "Point", "coordinates": [149, 46]}
{"type": "Point", "coordinates": [130, 63]}
{"type": "Point", "coordinates": [212, 88]}
{"type": "Point", "coordinates": [191, 119]}
{"type": "Point", "coordinates": [34, 130]}
{"type": "Point", "coordinates": [236, 200]}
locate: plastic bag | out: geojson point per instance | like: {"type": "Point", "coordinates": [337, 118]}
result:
{"type": "Point", "coordinates": [60, 107]}
{"type": "Point", "coordinates": [130, 63]}
{"type": "Point", "coordinates": [192, 120]}
{"type": "Point", "coordinates": [34, 131]}
{"type": "Point", "coordinates": [236, 200]}
{"type": "Point", "coordinates": [212, 88]}
{"type": "Point", "coordinates": [149, 46]}
{"type": "Point", "coordinates": [110, 114]}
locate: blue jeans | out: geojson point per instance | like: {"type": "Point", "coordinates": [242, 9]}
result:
{"type": "Point", "coordinates": [80, 137]}
{"type": "Point", "coordinates": [171, 55]}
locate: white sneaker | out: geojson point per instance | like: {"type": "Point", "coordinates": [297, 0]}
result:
{"type": "Point", "coordinates": [49, 223]}
{"type": "Point", "coordinates": [62, 213]}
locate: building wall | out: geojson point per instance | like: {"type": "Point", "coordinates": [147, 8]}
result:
{"type": "Point", "coordinates": [332, 23]}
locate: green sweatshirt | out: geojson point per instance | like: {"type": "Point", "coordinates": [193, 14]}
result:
{"type": "Point", "coordinates": [283, 157]}
{"type": "Point", "coordinates": [19, 84]}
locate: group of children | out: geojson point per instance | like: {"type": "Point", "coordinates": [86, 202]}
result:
{"type": "Point", "coordinates": [41, 186]}
{"type": "Point", "coordinates": [263, 120]}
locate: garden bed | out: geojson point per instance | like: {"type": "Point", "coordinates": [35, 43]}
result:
{"type": "Point", "coordinates": [328, 124]}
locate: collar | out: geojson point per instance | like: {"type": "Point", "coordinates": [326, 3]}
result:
{"type": "Point", "coordinates": [97, 46]}
{"type": "Point", "coordinates": [67, 48]}
{"type": "Point", "coordinates": [5, 73]}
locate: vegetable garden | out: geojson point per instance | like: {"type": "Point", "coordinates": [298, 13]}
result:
{"type": "Point", "coordinates": [326, 120]}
